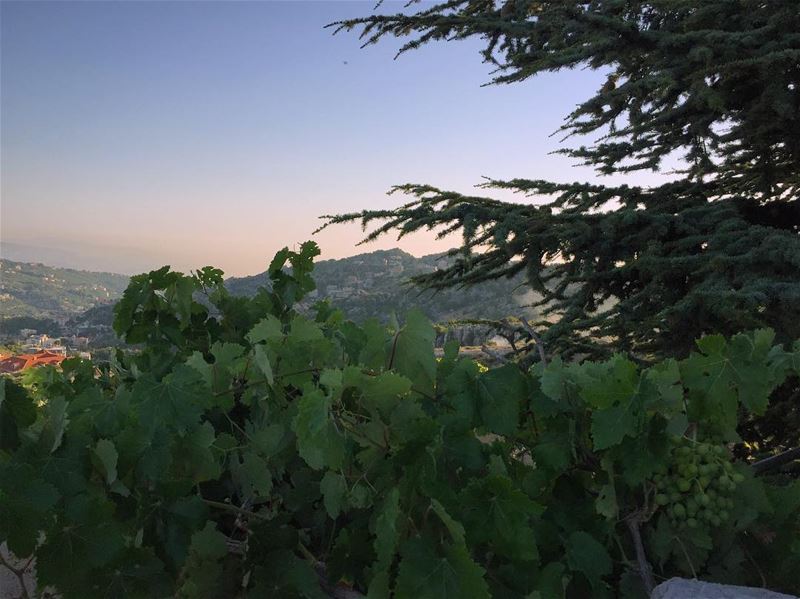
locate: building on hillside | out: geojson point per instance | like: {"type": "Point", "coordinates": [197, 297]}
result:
{"type": "Point", "coordinates": [24, 361]}
{"type": "Point", "coordinates": [44, 342]}
{"type": "Point", "coordinates": [79, 342]}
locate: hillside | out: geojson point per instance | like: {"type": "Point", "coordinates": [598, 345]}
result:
{"type": "Point", "coordinates": [368, 285]}
{"type": "Point", "coordinates": [375, 285]}
{"type": "Point", "coordinates": [39, 291]}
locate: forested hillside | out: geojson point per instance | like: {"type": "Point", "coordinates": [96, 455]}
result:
{"type": "Point", "coordinates": [39, 291]}
{"type": "Point", "coordinates": [375, 284]}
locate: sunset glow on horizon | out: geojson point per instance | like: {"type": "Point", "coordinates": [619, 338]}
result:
{"type": "Point", "coordinates": [139, 134]}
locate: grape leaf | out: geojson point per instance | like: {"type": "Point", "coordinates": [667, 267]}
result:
{"type": "Point", "coordinates": [17, 412]}
{"type": "Point", "coordinates": [25, 501]}
{"type": "Point", "coordinates": [613, 382]}
{"type": "Point", "coordinates": [254, 475]}
{"type": "Point", "coordinates": [106, 461]}
{"type": "Point", "coordinates": [606, 502]}
{"type": "Point", "coordinates": [209, 543]}
{"type": "Point", "coordinates": [373, 352]}
{"type": "Point", "coordinates": [497, 513]}
{"type": "Point", "coordinates": [318, 441]}
{"type": "Point", "coordinates": [334, 489]}
{"type": "Point", "coordinates": [611, 425]}
{"type": "Point", "coordinates": [501, 392]}
{"type": "Point", "coordinates": [454, 527]}
{"type": "Point", "coordinates": [426, 573]}
{"type": "Point", "coordinates": [267, 329]}
{"type": "Point", "coordinates": [412, 355]}
{"type": "Point", "coordinates": [261, 360]}
{"type": "Point", "coordinates": [177, 401]}
{"type": "Point", "coordinates": [552, 450]}
{"type": "Point", "coordinates": [386, 538]}
{"type": "Point", "coordinates": [585, 554]}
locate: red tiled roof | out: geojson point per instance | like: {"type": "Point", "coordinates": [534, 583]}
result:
{"type": "Point", "coordinates": [23, 361]}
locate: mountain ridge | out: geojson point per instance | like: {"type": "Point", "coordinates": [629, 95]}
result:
{"type": "Point", "coordinates": [370, 284]}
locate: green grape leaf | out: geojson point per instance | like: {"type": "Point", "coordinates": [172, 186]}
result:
{"type": "Point", "coordinates": [496, 512]}
{"type": "Point", "coordinates": [386, 533]}
{"type": "Point", "coordinates": [254, 475]}
{"type": "Point", "coordinates": [381, 392]}
{"type": "Point", "coordinates": [331, 380]}
{"type": "Point", "coordinates": [25, 501]}
{"type": "Point", "coordinates": [267, 329]}
{"type": "Point", "coordinates": [611, 425]}
{"type": "Point", "coordinates": [724, 374]}
{"type": "Point", "coordinates": [373, 352]}
{"type": "Point", "coordinates": [55, 423]}
{"type": "Point", "coordinates": [660, 539]}
{"type": "Point", "coordinates": [501, 392]}
{"type": "Point", "coordinates": [318, 441]}
{"type": "Point", "coordinates": [282, 574]}
{"type": "Point", "coordinates": [89, 538]}
{"type": "Point", "coordinates": [551, 582]}
{"type": "Point", "coordinates": [303, 331]}
{"type": "Point", "coordinates": [206, 370]}
{"type": "Point", "coordinates": [613, 382]}
{"type": "Point", "coordinates": [586, 555]}
{"type": "Point", "coordinates": [606, 502]}
{"type": "Point", "coordinates": [267, 440]}
{"type": "Point", "coordinates": [106, 459]}
{"type": "Point", "coordinates": [261, 360]}
{"type": "Point", "coordinates": [193, 457]}
{"type": "Point", "coordinates": [461, 392]}
{"type": "Point", "coordinates": [17, 412]}
{"type": "Point", "coordinates": [209, 543]}
{"type": "Point", "coordinates": [177, 401]}
{"type": "Point", "coordinates": [334, 490]}
{"type": "Point", "coordinates": [411, 353]}
{"type": "Point", "coordinates": [227, 355]}
{"type": "Point", "coordinates": [666, 378]}
{"type": "Point", "coordinates": [554, 379]}
{"type": "Point", "coordinates": [552, 450]}
{"type": "Point", "coordinates": [426, 573]}
{"type": "Point", "coordinates": [455, 528]}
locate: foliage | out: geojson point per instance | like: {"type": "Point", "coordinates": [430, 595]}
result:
{"type": "Point", "coordinates": [246, 447]}
{"type": "Point", "coordinates": [714, 86]}
{"type": "Point", "coordinates": [13, 326]}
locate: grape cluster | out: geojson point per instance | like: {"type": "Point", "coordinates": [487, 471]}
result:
{"type": "Point", "coordinates": [696, 489]}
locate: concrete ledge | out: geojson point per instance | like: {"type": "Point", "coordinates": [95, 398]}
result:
{"type": "Point", "coordinates": [681, 588]}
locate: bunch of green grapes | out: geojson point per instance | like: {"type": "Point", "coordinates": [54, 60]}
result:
{"type": "Point", "coordinates": [697, 489]}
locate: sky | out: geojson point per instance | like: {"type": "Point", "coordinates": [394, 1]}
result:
{"type": "Point", "coordinates": [137, 134]}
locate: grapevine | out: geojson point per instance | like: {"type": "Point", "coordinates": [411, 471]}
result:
{"type": "Point", "coordinates": [246, 449]}
{"type": "Point", "coordinates": [697, 489]}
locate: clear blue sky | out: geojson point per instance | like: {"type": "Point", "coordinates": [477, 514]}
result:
{"type": "Point", "coordinates": [136, 134]}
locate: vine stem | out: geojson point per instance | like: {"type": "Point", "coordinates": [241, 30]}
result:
{"type": "Point", "coordinates": [264, 380]}
{"type": "Point", "coordinates": [232, 508]}
{"type": "Point", "coordinates": [334, 591]}
{"type": "Point", "coordinates": [645, 570]}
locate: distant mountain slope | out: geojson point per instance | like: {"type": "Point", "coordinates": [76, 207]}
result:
{"type": "Point", "coordinates": [39, 291]}
{"type": "Point", "coordinates": [374, 285]}
{"type": "Point", "coordinates": [367, 285]}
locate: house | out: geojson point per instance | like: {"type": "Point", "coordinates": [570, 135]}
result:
{"type": "Point", "coordinates": [24, 361]}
